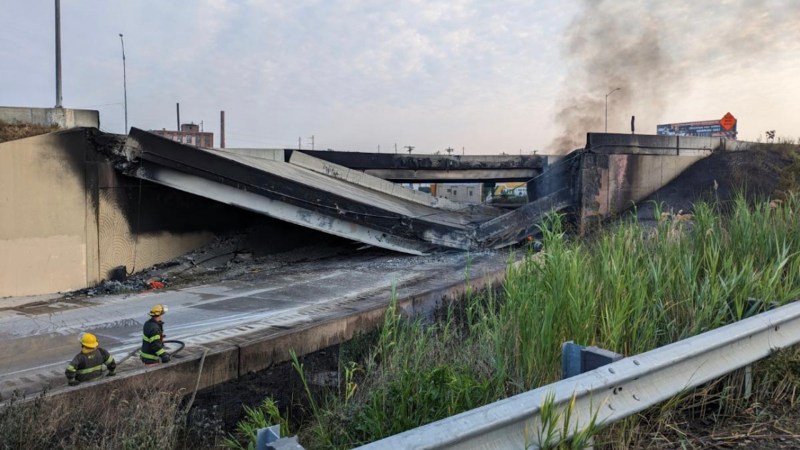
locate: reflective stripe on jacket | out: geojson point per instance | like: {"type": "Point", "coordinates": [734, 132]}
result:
{"type": "Point", "coordinates": [152, 341]}
{"type": "Point", "coordinates": [89, 365]}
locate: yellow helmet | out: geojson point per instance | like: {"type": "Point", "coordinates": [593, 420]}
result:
{"type": "Point", "coordinates": [89, 340]}
{"type": "Point", "coordinates": [158, 310]}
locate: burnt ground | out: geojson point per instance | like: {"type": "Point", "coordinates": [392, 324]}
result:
{"type": "Point", "coordinates": [217, 409]}
{"type": "Point", "coordinates": [763, 172]}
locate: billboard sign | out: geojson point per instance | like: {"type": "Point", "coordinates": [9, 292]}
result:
{"type": "Point", "coordinates": [725, 127]}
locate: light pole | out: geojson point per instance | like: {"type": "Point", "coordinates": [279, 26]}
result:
{"type": "Point", "coordinates": [58, 53]}
{"type": "Point", "coordinates": [124, 81]}
{"type": "Point", "coordinates": [612, 91]}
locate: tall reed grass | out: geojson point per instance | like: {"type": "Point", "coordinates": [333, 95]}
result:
{"type": "Point", "coordinates": [629, 289]}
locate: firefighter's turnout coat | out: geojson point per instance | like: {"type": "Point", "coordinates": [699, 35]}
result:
{"type": "Point", "coordinates": [88, 364]}
{"type": "Point", "coordinates": [152, 342]}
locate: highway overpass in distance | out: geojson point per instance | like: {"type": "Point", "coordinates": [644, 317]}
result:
{"type": "Point", "coordinates": [407, 168]}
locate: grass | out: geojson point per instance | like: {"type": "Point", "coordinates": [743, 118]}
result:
{"type": "Point", "coordinates": [263, 416]}
{"type": "Point", "coordinates": [139, 417]}
{"type": "Point", "coordinates": [13, 131]}
{"type": "Point", "coordinates": [629, 289]}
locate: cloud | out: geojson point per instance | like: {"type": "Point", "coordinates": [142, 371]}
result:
{"type": "Point", "coordinates": [358, 73]}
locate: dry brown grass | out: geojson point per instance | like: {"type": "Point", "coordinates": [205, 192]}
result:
{"type": "Point", "coordinates": [717, 415]}
{"type": "Point", "coordinates": [14, 131]}
{"type": "Point", "coordinates": [137, 416]}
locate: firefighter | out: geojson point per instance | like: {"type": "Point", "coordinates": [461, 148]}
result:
{"type": "Point", "coordinates": [88, 364]}
{"type": "Point", "coordinates": [153, 351]}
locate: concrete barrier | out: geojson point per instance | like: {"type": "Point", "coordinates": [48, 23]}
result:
{"type": "Point", "coordinates": [63, 117]}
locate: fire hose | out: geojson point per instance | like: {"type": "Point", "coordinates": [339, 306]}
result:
{"type": "Point", "coordinates": [181, 345]}
{"type": "Point", "coordinates": [135, 352]}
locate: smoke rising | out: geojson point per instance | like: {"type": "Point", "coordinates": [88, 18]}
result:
{"type": "Point", "coordinates": [654, 52]}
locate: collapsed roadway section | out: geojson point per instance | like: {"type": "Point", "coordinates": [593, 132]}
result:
{"type": "Point", "coordinates": [298, 188]}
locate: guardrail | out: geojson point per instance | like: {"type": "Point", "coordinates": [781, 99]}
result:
{"type": "Point", "coordinates": [612, 392]}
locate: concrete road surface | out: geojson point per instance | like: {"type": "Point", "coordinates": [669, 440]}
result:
{"type": "Point", "coordinates": [39, 339]}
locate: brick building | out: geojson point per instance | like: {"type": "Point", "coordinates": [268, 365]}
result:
{"type": "Point", "coordinates": [189, 134]}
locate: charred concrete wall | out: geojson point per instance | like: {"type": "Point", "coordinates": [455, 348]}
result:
{"type": "Point", "coordinates": [650, 144]}
{"type": "Point", "coordinates": [618, 170]}
{"type": "Point", "coordinates": [63, 117]}
{"type": "Point", "coordinates": [141, 226]}
{"type": "Point", "coordinates": [67, 218]}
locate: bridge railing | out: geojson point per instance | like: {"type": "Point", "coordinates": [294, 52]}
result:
{"type": "Point", "coordinates": [611, 392]}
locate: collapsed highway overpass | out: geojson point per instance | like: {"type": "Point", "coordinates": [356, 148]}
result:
{"type": "Point", "coordinates": [82, 203]}
{"type": "Point", "coordinates": [317, 194]}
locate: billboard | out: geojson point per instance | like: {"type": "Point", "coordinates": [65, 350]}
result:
{"type": "Point", "coordinates": [725, 127]}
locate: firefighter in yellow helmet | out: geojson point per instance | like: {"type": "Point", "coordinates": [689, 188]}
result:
{"type": "Point", "coordinates": [88, 364]}
{"type": "Point", "coordinates": [153, 351]}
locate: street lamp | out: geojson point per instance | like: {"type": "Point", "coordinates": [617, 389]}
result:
{"type": "Point", "coordinates": [612, 91]}
{"type": "Point", "coordinates": [58, 53]}
{"type": "Point", "coordinates": [124, 81]}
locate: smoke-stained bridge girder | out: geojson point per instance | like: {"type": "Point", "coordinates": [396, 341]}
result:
{"type": "Point", "coordinates": [306, 191]}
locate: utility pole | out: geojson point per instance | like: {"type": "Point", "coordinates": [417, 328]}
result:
{"type": "Point", "coordinates": [449, 150]}
{"type": "Point", "coordinates": [178, 113]}
{"type": "Point", "coordinates": [125, 82]}
{"type": "Point", "coordinates": [58, 54]}
{"type": "Point", "coordinates": [312, 142]}
{"type": "Point", "coordinates": [379, 148]}
{"type": "Point", "coordinates": [395, 147]}
{"type": "Point", "coordinates": [410, 148]}
{"type": "Point", "coordinates": [222, 129]}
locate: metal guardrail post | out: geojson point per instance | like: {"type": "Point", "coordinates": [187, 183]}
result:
{"type": "Point", "coordinates": [612, 392]}
{"type": "Point", "coordinates": [270, 439]}
{"type": "Point", "coordinates": [577, 359]}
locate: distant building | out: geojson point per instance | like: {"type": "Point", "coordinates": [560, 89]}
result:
{"type": "Point", "coordinates": [459, 192]}
{"type": "Point", "coordinates": [189, 134]}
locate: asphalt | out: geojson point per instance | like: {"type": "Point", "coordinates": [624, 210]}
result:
{"type": "Point", "coordinates": [40, 338]}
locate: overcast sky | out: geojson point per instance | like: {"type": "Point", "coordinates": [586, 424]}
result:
{"type": "Point", "coordinates": [489, 76]}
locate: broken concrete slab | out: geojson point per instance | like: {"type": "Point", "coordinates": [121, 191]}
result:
{"type": "Point", "coordinates": [357, 207]}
